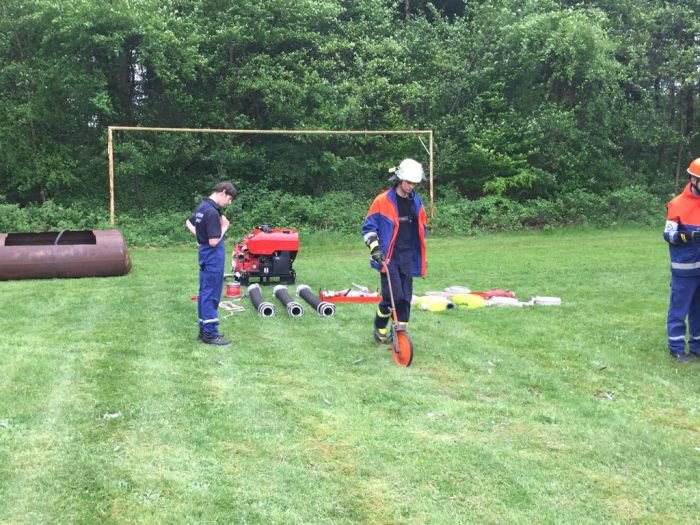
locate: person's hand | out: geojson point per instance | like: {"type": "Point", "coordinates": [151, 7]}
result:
{"type": "Point", "coordinates": [375, 251]}
{"type": "Point", "coordinates": [377, 254]}
{"type": "Point", "coordinates": [224, 223]}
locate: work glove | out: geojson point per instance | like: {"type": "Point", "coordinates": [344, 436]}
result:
{"type": "Point", "coordinates": [377, 254]}
{"type": "Point", "coordinates": [375, 251]}
{"type": "Point", "coordinates": [686, 236]}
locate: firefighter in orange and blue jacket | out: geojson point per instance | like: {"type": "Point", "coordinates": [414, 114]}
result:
{"type": "Point", "coordinates": [683, 235]}
{"type": "Point", "coordinates": [394, 231]}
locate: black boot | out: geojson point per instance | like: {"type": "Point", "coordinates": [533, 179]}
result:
{"type": "Point", "coordinates": [681, 357]}
{"type": "Point", "coordinates": [214, 339]}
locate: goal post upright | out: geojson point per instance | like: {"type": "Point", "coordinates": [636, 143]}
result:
{"type": "Point", "coordinates": [111, 129]}
{"type": "Point", "coordinates": [430, 171]}
{"type": "Point", "coordinates": [110, 162]}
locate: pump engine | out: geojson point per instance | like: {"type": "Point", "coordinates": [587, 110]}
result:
{"type": "Point", "coordinates": [266, 253]}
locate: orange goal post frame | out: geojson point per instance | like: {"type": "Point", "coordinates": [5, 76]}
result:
{"type": "Point", "coordinates": [417, 132]}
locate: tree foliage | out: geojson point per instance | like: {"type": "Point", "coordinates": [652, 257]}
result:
{"type": "Point", "coordinates": [528, 99]}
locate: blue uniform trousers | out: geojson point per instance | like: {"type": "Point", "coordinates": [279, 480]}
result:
{"type": "Point", "coordinates": [684, 302]}
{"type": "Point", "coordinates": [211, 282]}
{"type": "Point", "coordinates": [210, 286]}
{"type": "Point", "coordinates": [402, 288]}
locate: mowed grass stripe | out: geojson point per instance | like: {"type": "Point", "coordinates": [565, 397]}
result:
{"type": "Point", "coordinates": [39, 427]}
{"type": "Point", "coordinates": [291, 425]}
{"type": "Point", "coordinates": [160, 446]}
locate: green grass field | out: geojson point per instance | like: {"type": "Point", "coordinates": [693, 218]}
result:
{"type": "Point", "coordinates": [112, 412]}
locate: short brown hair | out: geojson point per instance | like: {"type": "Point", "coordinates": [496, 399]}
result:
{"type": "Point", "coordinates": [226, 187]}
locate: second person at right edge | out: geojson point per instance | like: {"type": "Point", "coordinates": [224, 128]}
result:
{"type": "Point", "coordinates": [682, 233]}
{"type": "Point", "coordinates": [394, 230]}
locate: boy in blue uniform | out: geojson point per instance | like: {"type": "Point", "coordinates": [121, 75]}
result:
{"type": "Point", "coordinates": [682, 233]}
{"type": "Point", "coordinates": [209, 225]}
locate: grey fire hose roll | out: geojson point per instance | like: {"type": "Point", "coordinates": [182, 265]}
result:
{"type": "Point", "coordinates": [323, 308]}
{"type": "Point", "coordinates": [294, 309]}
{"type": "Point", "coordinates": [264, 308]}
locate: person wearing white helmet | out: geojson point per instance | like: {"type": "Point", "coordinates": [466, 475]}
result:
{"type": "Point", "coordinates": [682, 233]}
{"type": "Point", "coordinates": [394, 230]}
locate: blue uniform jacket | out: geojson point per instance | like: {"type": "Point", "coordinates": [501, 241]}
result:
{"type": "Point", "coordinates": [383, 219]}
{"type": "Point", "coordinates": [207, 222]}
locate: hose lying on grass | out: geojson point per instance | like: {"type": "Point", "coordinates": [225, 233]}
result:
{"type": "Point", "coordinates": [264, 308]}
{"type": "Point", "coordinates": [294, 309]}
{"type": "Point", "coordinates": [323, 308]}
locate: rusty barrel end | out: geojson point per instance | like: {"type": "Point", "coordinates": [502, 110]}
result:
{"type": "Point", "coordinates": [68, 253]}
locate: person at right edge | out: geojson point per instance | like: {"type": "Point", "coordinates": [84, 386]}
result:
{"type": "Point", "coordinates": [394, 230]}
{"type": "Point", "coordinates": [682, 233]}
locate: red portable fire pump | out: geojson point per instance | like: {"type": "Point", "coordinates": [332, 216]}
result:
{"type": "Point", "coordinates": [264, 253]}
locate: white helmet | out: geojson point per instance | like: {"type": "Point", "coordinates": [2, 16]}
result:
{"type": "Point", "coordinates": [410, 170]}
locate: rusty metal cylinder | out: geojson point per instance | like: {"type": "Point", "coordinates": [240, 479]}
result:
{"type": "Point", "coordinates": [47, 255]}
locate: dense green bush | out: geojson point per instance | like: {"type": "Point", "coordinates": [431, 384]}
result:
{"type": "Point", "coordinates": [341, 212]}
{"type": "Point", "coordinates": [50, 217]}
{"type": "Point", "coordinates": [493, 213]}
{"type": "Point", "coordinates": [154, 229]}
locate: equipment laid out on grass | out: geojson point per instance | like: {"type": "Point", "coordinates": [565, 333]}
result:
{"type": "Point", "coordinates": [294, 309]}
{"type": "Point", "coordinates": [469, 300]}
{"type": "Point", "coordinates": [533, 301]}
{"type": "Point", "coordinates": [437, 301]}
{"type": "Point", "coordinates": [450, 291]}
{"type": "Point", "coordinates": [231, 308]}
{"type": "Point", "coordinates": [323, 308]}
{"type": "Point", "coordinates": [505, 301]}
{"type": "Point", "coordinates": [401, 345]}
{"type": "Point", "coordinates": [233, 290]}
{"type": "Point", "coordinates": [265, 253]}
{"type": "Point", "coordinates": [264, 308]}
{"type": "Point", "coordinates": [434, 303]}
{"type": "Point", "coordinates": [495, 292]}
{"type": "Point", "coordinates": [360, 294]}
{"type": "Point", "coordinates": [545, 301]}
{"type": "Point", "coordinates": [49, 255]}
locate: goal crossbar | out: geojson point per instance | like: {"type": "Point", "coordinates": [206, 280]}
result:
{"type": "Point", "coordinates": [111, 129]}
